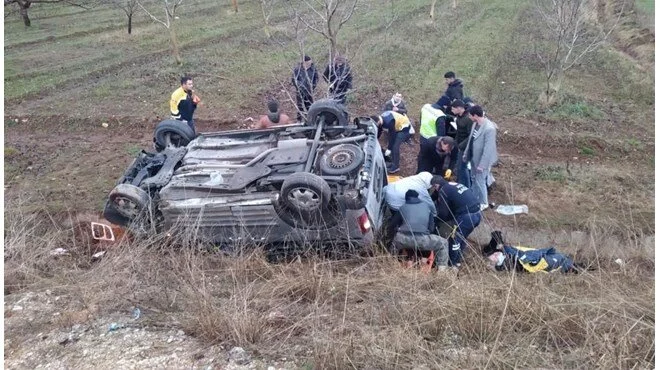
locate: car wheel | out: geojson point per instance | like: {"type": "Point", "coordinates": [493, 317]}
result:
{"type": "Point", "coordinates": [114, 217]}
{"type": "Point", "coordinates": [341, 159]}
{"type": "Point", "coordinates": [172, 133]}
{"type": "Point", "coordinates": [334, 113]}
{"type": "Point", "coordinates": [129, 201]}
{"type": "Point", "coordinates": [305, 194]}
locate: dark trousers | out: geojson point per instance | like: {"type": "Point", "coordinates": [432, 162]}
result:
{"type": "Point", "coordinates": [395, 139]}
{"type": "Point", "coordinates": [303, 102]}
{"type": "Point", "coordinates": [466, 223]}
{"type": "Point", "coordinates": [463, 172]}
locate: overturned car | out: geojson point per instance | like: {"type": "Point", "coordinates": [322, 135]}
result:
{"type": "Point", "coordinates": [319, 181]}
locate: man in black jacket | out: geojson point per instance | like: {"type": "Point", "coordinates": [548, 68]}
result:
{"type": "Point", "coordinates": [415, 222]}
{"type": "Point", "coordinates": [438, 155]}
{"type": "Point", "coordinates": [456, 204]}
{"type": "Point", "coordinates": [463, 129]}
{"type": "Point", "coordinates": [338, 75]}
{"type": "Point", "coordinates": [305, 77]}
{"type": "Point", "coordinates": [454, 91]}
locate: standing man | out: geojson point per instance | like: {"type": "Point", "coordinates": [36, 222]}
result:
{"type": "Point", "coordinates": [398, 130]}
{"type": "Point", "coordinates": [463, 129]}
{"type": "Point", "coordinates": [338, 75]}
{"type": "Point", "coordinates": [483, 149]}
{"type": "Point", "coordinates": [414, 223]}
{"type": "Point", "coordinates": [457, 204]}
{"type": "Point", "coordinates": [305, 77]}
{"type": "Point", "coordinates": [183, 102]}
{"type": "Point", "coordinates": [454, 91]}
{"type": "Point", "coordinates": [396, 104]}
{"type": "Point", "coordinates": [439, 156]}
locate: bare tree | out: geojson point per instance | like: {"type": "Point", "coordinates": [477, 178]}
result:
{"type": "Point", "coordinates": [566, 39]}
{"type": "Point", "coordinates": [326, 17]}
{"type": "Point", "coordinates": [169, 6]}
{"type": "Point", "coordinates": [267, 7]}
{"type": "Point", "coordinates": [234, 3]}
{"type": "Point", "coordinates": [129, 7]}
{"type": "Point", "coordinates": [24, 5]}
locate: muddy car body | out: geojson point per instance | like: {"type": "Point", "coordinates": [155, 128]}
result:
{"type": "Point", "coordinates": [316, 182]}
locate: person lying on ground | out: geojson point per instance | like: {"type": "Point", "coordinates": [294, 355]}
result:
{"type": "Point", "coordinates": [273, 117]}
{"type": "Point", "coordinates": [414, 223]}
{"type": "Point", "coordinates": [396, 104]}
{"type": "Point", "coordinates": [439, 156]}
{"type": "Point", "coordinates": [503, 257]}
{"type": "Point", "coordinates": [399, 130]}
{"type": "Point", "coordinates": [456, 204]}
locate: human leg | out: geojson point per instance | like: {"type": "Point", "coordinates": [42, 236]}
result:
{"type": "Point", "coordinates": [394, 145]}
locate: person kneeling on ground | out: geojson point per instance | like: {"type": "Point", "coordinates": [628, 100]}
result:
{"type": "Point", "coordinates": [415, 222]}
{"type": "Point", "coordinates": [457, 204]}
{"type": "Point", "coordinates": [273, 117]}
{"type": "Point", "coordinates": [399, 130]}
{"type": "Point", "coordinates": [439, 156]}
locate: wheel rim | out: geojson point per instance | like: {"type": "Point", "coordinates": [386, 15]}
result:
{"type": "Point", "coordinates": [341, 159]}
{"type": "Point", "coordinates": [172, 140]}
{"type": "Point", "coordinates": [127, 207]}
{"type": "Point", "coordinates": [304, 199]}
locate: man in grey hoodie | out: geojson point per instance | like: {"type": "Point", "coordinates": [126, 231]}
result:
{"type": "Point", "coordinates": [415, 222]}
{"type": "Point", "coordinates": [483, 149]}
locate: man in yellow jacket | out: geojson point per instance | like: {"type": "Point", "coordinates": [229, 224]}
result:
{"type": "Point", "coordinates": [183, 102]}
{"type": "Point", "coordinates": [399, 130]}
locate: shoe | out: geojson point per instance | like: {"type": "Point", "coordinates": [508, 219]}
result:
{"type": "Point", "coordinates": [483, 207]}
{"type": "Point", "coordinates": [393, 170]}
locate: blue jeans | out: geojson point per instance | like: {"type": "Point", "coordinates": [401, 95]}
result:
{"type": "Point", "coordinates": [463, 172]}
{"type": "Point", "coordinates": [466, 223]}
{"type": "Point", "coordinates": [394, 144]}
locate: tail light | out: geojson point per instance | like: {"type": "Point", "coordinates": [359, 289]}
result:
{"type": "Point", "coordinates": [365, 224]}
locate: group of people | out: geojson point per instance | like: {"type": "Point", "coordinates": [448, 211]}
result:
{"type": "Point", "coordinates": [456, 154]}
{"type": "Point", "coordinates": [305, 78]}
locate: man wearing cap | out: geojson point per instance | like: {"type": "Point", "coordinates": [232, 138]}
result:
{"type": "Point", "coordinates": [414, 223]}
{"type": "Point", "coordinates": [439, 156]}
{"type": "Point", "coordinates": [483, 152]}
{"type": "Point", "coordinates": [456, 204]}
{"type": "Point", "coordinates": [463, 129]}
{"type": "Point", "coordinates": [454, 91]}
{"type": "Point", "coordinates": [305, 77]}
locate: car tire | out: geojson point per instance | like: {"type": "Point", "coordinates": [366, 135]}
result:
{"type": "Point", "coordinates": [172, 132]}
{"type": "Point", "coordinates": [334, 112]}
{"type": "Point", "coordinates": [114, 217]}
{"type": "Point", "coordinates": [305, 194]}
{"type": "Point", "coordinates": [129, 201]}
{"type": "Point", "coordinates": [341, 160]}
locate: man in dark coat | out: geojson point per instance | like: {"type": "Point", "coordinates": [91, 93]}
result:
{"type": "Point", "coordinates": [463, 129]}
{"type": "Point", "coordinates": [454, 91]}
{"type": "Point", "coordinates": [438, 155]}
{"type": "Point", "coordinates": [338, 75]}
{"type": "Point", "coordinates": [305, 77]}
{"type": "Point", "coordinates": [456, 204]}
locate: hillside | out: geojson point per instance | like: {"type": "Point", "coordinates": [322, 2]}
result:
{"type": "Point", "coordinates": [585, 167]}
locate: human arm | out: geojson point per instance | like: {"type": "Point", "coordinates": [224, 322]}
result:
{"type": "Point", "coordinates": [401, 108]}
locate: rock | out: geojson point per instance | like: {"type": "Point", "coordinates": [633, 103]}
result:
{"type": "Point", "coordinates": [239, 356]}
{"type": "Point", "coordinates": [170, 339]}
{"type": "Point", "coordinates": [17, 308]}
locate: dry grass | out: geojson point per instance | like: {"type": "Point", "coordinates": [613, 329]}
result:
{"type": "Point", "coordinates": [357, 313]}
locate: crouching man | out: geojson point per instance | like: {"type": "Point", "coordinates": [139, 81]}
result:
{"type": "Point", "coordinates": [415, 222]}
{"type": "Point", "coordinates": [457, 205]}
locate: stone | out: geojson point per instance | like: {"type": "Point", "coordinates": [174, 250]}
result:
{"type": "Point", "coordinates": [239, 356]}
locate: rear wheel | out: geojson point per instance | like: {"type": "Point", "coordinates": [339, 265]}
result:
{"type": "Point", "coordinates": [129, 201]}
{"type": "Point", "coordinates": [172, 133]}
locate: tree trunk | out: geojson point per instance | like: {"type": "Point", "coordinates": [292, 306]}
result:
{"type": "Point", "coordinates": [333, 47]}
{"type": "Point", "coordinates": [267, 30]}
{"type": "Point", "coordinates": [175, 46]}
{"type": "Point", "coordinates": [23, 10]}
{"type": "Point", "coordinates": [130, 23]}
{"type": "Point", "coordinates": [454, 4]}
{"type": "Point", "coordinates": [432, 14]}
{"type": "Point", "coordinates": [235, 3]}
